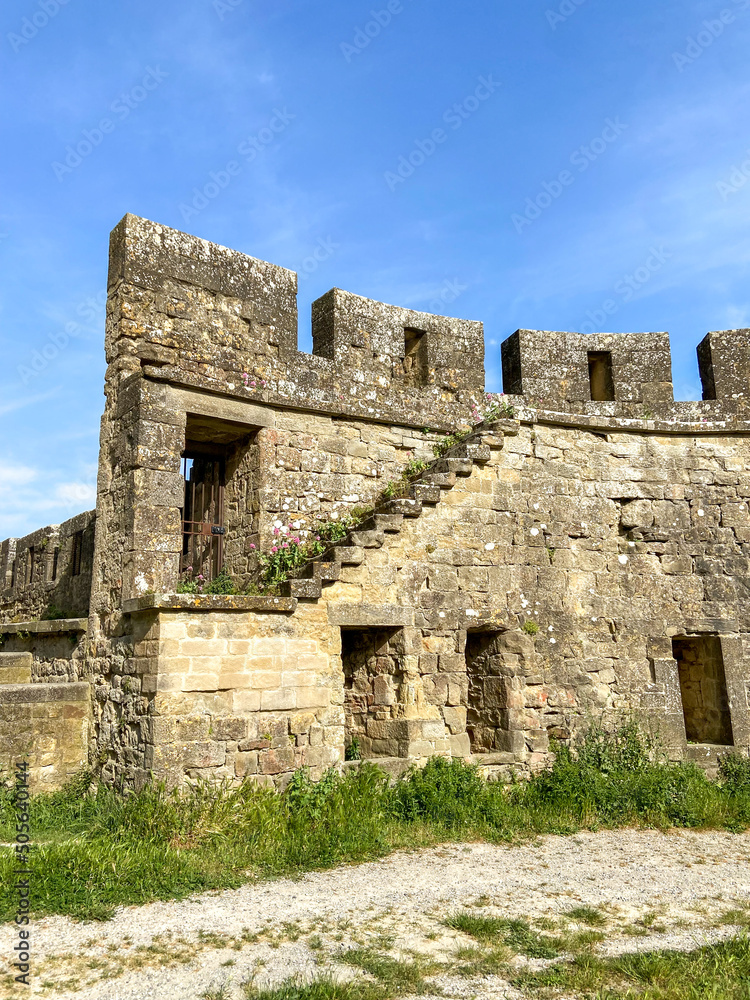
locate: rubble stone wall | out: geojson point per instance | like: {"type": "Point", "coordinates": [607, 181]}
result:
{"type": "Point", "coordinates": [48, 572]}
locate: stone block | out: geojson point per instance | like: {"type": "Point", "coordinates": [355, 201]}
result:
{"type": "Point", "coordinates": [282, 699]}
{"type": "Point", "coordinates": [246, 763]}
{"type": "Point", "coordinates": [455, 718]}
{"type": "Point", "coordinates": [231, 728]}
{"type": "Point", "coordinates": [204, 754]}
{"type": "Point", "coordinates": [246, 701]}
{"type": "Point", "coordinates": [313, 697]}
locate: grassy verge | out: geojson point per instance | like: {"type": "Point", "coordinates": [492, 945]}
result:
{"type": "Point", "coordinates": [714, 972]}
{"type": "Point", "coordinates": [96, 851]}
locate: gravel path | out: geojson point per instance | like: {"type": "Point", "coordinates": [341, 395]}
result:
{"type": "Point", "coordinates": [657, 890]}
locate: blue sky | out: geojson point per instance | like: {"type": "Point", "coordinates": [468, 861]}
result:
{"type": "Point", "coordinates": [555, 156]}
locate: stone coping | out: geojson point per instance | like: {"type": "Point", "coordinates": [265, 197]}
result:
{"type": "Point", "coordinates": [208, 602]}
{"type": "Point", "coordinates": [392, 410]}
{"type": "Point", "coordinates": [600, 422]}
{"type": "Point", "coordinates": [24, 694]}
{"type": "Point", "coordinates": [45, 628]}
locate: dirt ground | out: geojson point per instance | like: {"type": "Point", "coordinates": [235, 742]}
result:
{"type": "Point", "coordinates": [652, 890]}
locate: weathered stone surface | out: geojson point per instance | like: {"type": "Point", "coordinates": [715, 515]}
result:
{"type": "Point", "coordinates": [589, 557]}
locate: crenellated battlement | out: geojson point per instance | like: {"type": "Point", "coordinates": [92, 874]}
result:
{"type": "Point", "coordinates": [215, 318]}
{"type": "Point", "coordinates": [624, 374]}
{"type": "Point", "coordinates": [180, 303]}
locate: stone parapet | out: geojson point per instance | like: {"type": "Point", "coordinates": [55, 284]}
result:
{"type": "Point", "coordinates": [51, 724]}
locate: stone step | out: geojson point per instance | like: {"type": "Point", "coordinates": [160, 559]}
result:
{"type": "Point", "coordinates": [388, 522]}
{"type": "Point", "coordinates": [445, 480]}
{"type": "Point", "coordinates": [349, 555]}
{"type": "Point", "coordinates": [426, 493]}
{"type": "Point", "coordinates": [508, 426]}
{"type": "Point", "coordinates": [458, 466]}
{"type": "Point", "coordinates": [327, 571]}
{"type": "Point", "coordinates": [367, 539]}
{"type": "Point", "coordinates": [496, 441]}
{"type": "Point", "coordinates": [706, 756]}
{"type": "Point", "coordinates": [405, 506]}
{"type": "Point", "coordinates": [303, 590]}
{"type": "Point", "coordinates": [479, 453]}
{"type": "Point", "coordinates": [15, 668]}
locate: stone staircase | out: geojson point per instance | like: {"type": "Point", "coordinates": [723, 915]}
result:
{"type": "Point", "coordinates": [388, 518]}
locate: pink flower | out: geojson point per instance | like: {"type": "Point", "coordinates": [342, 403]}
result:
{"type": "Point", "coordinates": [296, 541]}
{"type": "Point", "coordinates": [275, 531]}
{"type": "Point", "coordinates": [252, 546]}
{"type": "Point", "coordinates": [285, 545]}
{"type": "Point", "coordinates": [274, 549]}
{"type": "Point", "coordinates": [189, 569]}
{"type": "Point", "coordinates": [200, 577]}
{"type": "Point", "coordinates": [317, 538]}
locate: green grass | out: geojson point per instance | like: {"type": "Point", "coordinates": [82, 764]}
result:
{"type": "Point", "coordinates": [589, 915]}
{"type": "Point", "coordinates": [321, 989]}
{"type": "Point", "coordinates": [514, 934]}
{"type": "Point", "coordinates": [385, 979]}
{"type": "Point", "coordinates": [716, 972]}
{"type": "Point", "coordinates": [97, 850]}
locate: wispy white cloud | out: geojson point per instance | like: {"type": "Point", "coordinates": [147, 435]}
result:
{"type": "Point", "coordinates": [19, 404]}
{"type": "Point", "coordinates": [32, 498]}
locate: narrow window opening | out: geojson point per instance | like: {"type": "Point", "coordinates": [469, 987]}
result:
{"type": "Point", "coordinates": [203, 516]}
{"type": "Point", "coordinates": [600, 376]}
{"type": "Point", "coordinates": [30, 564]}
{"type": "Point", "coordinates": [415, 357]}
{"type": "Point", "coordinates": [703, 686]}
{"type": "Point", "coordinates": [371, 658]}
{"type": "Point", "coordinates": [490, 692]}
{"type": "Point", "coordinates": [76, 554]}
{"type": "Point", "coordinates": [55, 559]}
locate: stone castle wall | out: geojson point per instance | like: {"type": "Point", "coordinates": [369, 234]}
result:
{"type": "Point", "coordinates": [588, 558]}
